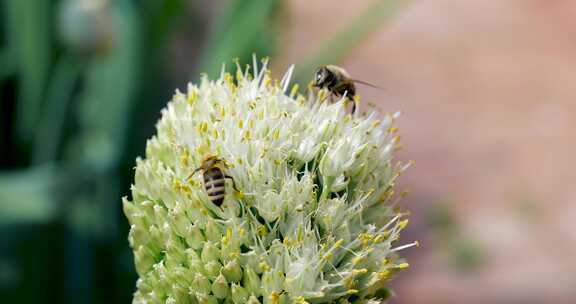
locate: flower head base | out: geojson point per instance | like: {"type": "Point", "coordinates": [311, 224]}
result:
{"type": "Point", "coordinates": [314, 217]}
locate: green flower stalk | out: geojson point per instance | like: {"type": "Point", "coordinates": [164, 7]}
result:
{"type": "Point", "coordinates": [309, 214]}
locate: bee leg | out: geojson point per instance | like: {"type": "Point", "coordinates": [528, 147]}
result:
{"type": "Point", "coordinates": [233, 182]}
{"type": "Point", "coordinates": [353, 105]}
{"type": "Point", "coordinates": [332, 97]}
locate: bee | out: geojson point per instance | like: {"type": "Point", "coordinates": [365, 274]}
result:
{"type": "Point", "coordinates": [338, 82]}
{"type": "Point", "coordinates": [213, 174]}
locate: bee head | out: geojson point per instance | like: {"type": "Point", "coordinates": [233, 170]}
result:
{"type": "Point", "coordinates": [322, 77]}
{"type": "Point", "coordinates": [211, 161]}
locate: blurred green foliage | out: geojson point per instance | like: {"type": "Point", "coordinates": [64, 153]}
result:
{"type": "Point", "coordinates": [81, 86]}
{"type": "Point", "coordinates": [464, 253]}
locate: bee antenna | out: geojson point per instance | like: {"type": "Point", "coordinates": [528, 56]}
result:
{"type": "Point", "coordinates": [193, 172]}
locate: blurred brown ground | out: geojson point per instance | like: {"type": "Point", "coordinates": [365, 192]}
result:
{"type": "Point", "coordinates": [488, 92]}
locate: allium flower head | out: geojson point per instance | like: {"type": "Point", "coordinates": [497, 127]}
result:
{"type": "Point", "coordinates": [314, 219]}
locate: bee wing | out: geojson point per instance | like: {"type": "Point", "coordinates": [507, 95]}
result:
{"type": "Point", "coordinates": [366, 83]}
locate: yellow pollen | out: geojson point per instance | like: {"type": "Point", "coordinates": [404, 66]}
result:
{"type": "Point", "coordinates": [241, 124]}
{"type": "Point", "coordinates": [378, 239]}
{"type": "Point", "coordinates": [264, 266]}
{"type": "Point", "coordinates": [203, 127]}
{"type": "Point", "coordinates": [300, 100]}
{"type": "Point", "coordinates": [177, 185]}
{"type": "Point", "coordinates": [239, 195]}
{"type": "Point", "coordinates": [186, 189]}
{"type": "Point", "coordinates": [356, 100]}
{"type": "Point", "coordinates": [338, 243]}
{"type": "Point", "coordinates": [365, 238]}
{"type": "Point", "coordinates": [192, 96]}
{"type": "Point", "coordinates": [403, 265]}
{"type": "Point", "coordinates": [294, 90]}
{"type": "Point", "coordinates": [228, 78]}
{"type": "Point", "coordinates": [384, 274]}
{"type": "Point", "coordinates": [322, 94]}
{"type": "Point", "coordinates": [357, 260]}
{"type": "Point", "coordinates": [184, 158]}
{"type": "Point", "coordinates": [266, 82]}
{"type": "Point", "coordinates": [262, 231]}
{"type": "Point", "coordinates": [310, 85]}
{"type": "Point", "coordinates": [274, 297]}
{"type": "Point", "coordinates": [403, 224]}
{"type": "Point", "coordinates": [359, 271]}
{"type": "Point", "coordinates": [349, 282]}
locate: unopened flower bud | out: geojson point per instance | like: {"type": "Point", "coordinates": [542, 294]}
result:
{"type": "Point", "coordinates": [212, 268]}
{"type": "Point", "coordinates": [220, 287]}
{"type": "Point", "coordinates": [239, 294]}
{"type": "Point", "coordinates": [210, 252]}
{"type": "Point", "coordinates": [252, 282]}
{"type": "Point", "coordinates": [232, 271]}
{"type": "Point", "coordinates": [194, 237]}
{"type": "Point", "coordinates": [253, 300]}
{"type": "Point", "coordinates": [201, 283]}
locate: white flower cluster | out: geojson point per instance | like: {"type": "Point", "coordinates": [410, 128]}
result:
{"type": "Point", "coordinates": [313, 219]}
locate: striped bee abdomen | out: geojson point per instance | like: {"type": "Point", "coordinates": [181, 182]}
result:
{"type": "Point", "coordinates": [215, 185]}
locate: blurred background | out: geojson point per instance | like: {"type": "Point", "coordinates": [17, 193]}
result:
{"type": "Point", "coordinates": [487, 88]}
